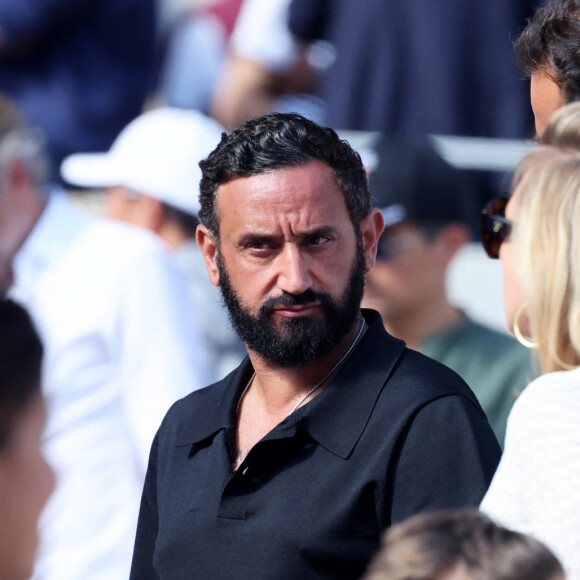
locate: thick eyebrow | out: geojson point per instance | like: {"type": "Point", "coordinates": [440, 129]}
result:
{"type": "Point", "coordinates": [253, 239]}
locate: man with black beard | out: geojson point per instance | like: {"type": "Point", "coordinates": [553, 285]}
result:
{"type": "Point", "coordinates": [330, 430]}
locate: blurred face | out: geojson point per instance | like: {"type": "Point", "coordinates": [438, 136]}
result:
{"type": "Point", "coordinates": [546, 97]}
{"type": "Point", "coordinates": [408, 271]}
{"type": "Point", "coordinates": [289, 262]}
{"type": "Point", "coordinates": [514, 295]}
{"type": "Point", "coordinates": [26, 481]}
{"type": "Point", "coordinates": [127, 206]}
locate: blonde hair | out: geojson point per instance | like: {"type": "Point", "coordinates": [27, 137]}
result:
{"type": "Point", "coordinates": [563, 129]}
{"type": "Point", "coordinates": [546, 240]}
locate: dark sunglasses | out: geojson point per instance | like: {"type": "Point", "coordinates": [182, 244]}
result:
{"type": "Point", "coordinates": [495, 227]}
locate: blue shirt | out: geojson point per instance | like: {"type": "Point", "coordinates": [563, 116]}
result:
{"type": "Point", "coordinates": [79, 69]}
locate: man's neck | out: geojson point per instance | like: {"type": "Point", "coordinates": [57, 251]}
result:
{"type": "Point", "coordinates": [279, 389]}
{"type": "Point", "coordinates": [274, 393]}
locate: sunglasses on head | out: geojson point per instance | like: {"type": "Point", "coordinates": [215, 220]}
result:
{"type": "Point", "coordinates": [495, 227]}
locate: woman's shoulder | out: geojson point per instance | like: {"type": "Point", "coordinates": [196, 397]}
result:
{"type": "Point", "coordinates": [550, 397]}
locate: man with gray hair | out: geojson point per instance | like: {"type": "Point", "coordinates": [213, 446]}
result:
{"type": "Point", "coordinates": [121, 347]}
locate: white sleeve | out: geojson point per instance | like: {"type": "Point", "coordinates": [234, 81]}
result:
{"type": "Point", "coordinates": [164, 357]}
{"type": "Point", "coordinates": [261, 34]}
{"type": "Point", "coordinates": [503, 500]}
{"type": "Point", "coordinates": [535, 489]}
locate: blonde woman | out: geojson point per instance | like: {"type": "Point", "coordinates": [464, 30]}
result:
{"type": "Point", "coordinates": [536, 235]}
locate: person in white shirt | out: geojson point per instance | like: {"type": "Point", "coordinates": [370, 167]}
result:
{"type": "Point", "coordinates": [536, 489]}
{"type": "Point", "coordinates": [121, 347]}
{"type": "Point", "coordinates": [266, 69]}
{"type": "Point", "coordinates": [151, 177]}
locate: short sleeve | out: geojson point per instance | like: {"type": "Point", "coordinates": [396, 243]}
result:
{"type": "Point", "coordinates": [446, 460]}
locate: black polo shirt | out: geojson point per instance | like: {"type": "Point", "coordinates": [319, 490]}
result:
{"type": "Point", "coordinates": [394, 434]}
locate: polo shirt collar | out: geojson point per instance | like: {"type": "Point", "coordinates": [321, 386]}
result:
{"type": "Point", "coordinates": [336, 418]}
{"type": "Point", "coordinates": [219, 407]}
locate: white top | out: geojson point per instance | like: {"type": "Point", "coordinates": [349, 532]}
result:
{"type": "Point", "coordinates": [536, 489]}
{"type": "Point", "coordinates": [119, 350]}
{"type": "Point", "coordinates": [223, 347]}
{"type": "Point", "coordinates": [261, 34]}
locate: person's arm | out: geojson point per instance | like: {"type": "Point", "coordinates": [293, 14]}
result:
{"type": "Point", "coordinates": [264, 62]}
{"type": "Point", "coordinates": [446, 459]}
{"type": "Point", "coordinates": [249, 89]}
{"type": "Point", "coordinates": [148, 524]}
{"type": "Point", "coordinates": [243, 92]}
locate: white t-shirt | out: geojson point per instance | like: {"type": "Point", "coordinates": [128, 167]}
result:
{"type": "Point", "coordinates": [261, 34]}
{"type": "Point", "coordinates": [536, 488]}
{"type": "Point", "coordinates": [120, 348]}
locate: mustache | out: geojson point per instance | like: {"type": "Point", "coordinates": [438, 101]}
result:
{"type": "Point", "coordinates": [288, 299]}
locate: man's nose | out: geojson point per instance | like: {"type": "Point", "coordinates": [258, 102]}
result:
{"type": "Point", "coordinates": [294, 275]}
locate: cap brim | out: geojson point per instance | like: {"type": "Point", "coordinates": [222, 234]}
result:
{"type": "Point", "coordinates": [90, 170]}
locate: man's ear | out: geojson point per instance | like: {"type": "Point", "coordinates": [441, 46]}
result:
{"type": "Point", "coordinates": [371, 228]}
{"type": "Point", "coordinates": [209, 248]}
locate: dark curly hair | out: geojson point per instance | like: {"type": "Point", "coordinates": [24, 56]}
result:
{"type": "Point", "coordinates": [276, 141]}
{"type": "Point", "coordinates": [551, 41]}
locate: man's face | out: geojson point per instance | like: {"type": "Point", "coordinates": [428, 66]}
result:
{"type": "Point", "coordinates": [410, 271]}
{"type": "Point", "coordinates": [546, 97]}
{"type": "Point", "coordinates": [301, 340]}
{"type": "Point", "coordinates": [290, 263]}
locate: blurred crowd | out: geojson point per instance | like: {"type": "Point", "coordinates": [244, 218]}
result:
{"type": "Point", "coordinates": [108, 317]}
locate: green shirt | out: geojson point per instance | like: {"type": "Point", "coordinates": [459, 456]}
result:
{"type": "Point", "coordinates": [494, 365]}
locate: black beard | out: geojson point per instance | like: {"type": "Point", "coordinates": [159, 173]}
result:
{"type": "Point", "coordinates": [300, 341]}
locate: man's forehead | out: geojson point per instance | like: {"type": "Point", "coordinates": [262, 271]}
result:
{"type": "Point", "coordinates": [288, 203]}
{"type": "Point", "coordinates": [286, 188]}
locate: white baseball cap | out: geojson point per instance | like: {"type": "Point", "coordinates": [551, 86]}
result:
{"type": "Point", "coordinates": [157, 155]}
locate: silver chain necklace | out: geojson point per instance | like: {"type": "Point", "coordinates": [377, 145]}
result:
{"type": "Point", "coordinates": [319, 383]}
